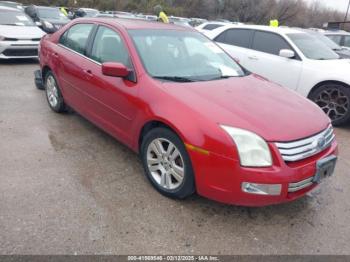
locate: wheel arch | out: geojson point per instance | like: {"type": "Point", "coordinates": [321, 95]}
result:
{"type": "Point", "coordinates": [155, 123]}
{"type": "Point", "coordinates": [326, 82]}
{"type": "Point", "coordinates": [44, 71]}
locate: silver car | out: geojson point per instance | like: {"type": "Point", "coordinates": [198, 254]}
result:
{"type": "Point", "coordinates": [19, 36]}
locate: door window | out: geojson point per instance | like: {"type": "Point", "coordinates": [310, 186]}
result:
{"type": "Point", "coordinates": [76, 37]}
{"type": "Point", "coordinates": [269, 43]}
{"type": "Point", "coordinates": [347, 41]}
{"type": "Point", "coordinates": [236, 37]}
{"type": "Point", "coordinates": [109, 47]}
{"type": "Point", "coordinates": [335, 38]}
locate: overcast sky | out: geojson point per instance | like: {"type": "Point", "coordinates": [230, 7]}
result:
{"type": "Point", "coordinates": [341, 5]}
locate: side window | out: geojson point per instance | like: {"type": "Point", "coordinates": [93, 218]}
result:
{"type": "Point", "coordinates": [347, 41]}
{"type": "Point", "coordinates": [335, 38]}
{"type": "Point", "coordinates": [269, 43]}
{"type": "Point", "coordinates": [236, 37]}
{"type": "Point", "coordinates": [109, 47]}
{"type": "Point", "coordinates": [211, 27]}
{"type": "Point", "coordinates": [221, 38]}
{"type": "Point", "coordinates": [76, 37]}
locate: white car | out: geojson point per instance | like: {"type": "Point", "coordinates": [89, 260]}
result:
{"type": "Point", "coordinates": [293, 59]}
{"type": "Point", "coordinates": [19, 36]}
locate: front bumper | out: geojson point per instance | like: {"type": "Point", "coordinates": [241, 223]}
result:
{"type": "Point", "coordinates": [222, 179]}
{"type": "Point", "coordinates": [23, 49]}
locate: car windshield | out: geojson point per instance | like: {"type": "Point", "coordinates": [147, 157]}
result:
{"type": "Point", "coordinates": [15, 18]}
{"type": "Point", "coordinates": [52, 13]}
{"type": "Point", "coordinates": [312, 47]}
{"type": "Point", "coordinates": [183, 56]}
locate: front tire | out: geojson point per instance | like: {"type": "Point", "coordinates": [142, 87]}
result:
{"type": "Point", "coordinates": [334, 100]}
{"type": "Point", "coordinates": [167, 164]}
{"type": "Point", "coordinates": [53, 94]}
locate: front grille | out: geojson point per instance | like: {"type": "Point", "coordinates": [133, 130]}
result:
{"type": "Point", "coordinates": [10, 39]}
{"type": "Point", "coordinates": [301, 149]}
{"type": "Point", "coordinates": [16, 39]}
{"type": "Point", "coordinates": [294, 187]}
{"type": "Point", "coordinates": [21, 52]}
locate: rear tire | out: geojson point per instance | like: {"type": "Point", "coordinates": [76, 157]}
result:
{"type": "Point", "coordinates": [167, 164]}
{"type": "Point", "coordinates": [53, 94]}
{"type": "Point", "coordinates": [334, 100]}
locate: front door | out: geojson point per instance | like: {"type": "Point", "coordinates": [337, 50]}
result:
{"type": "Point", "coordinates": [114, 99]}
{"type": "Point", "coordinates": [263, 59]}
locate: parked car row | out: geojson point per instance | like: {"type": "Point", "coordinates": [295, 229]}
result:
{"type": "Point", "coordinates": [295, 59]}
{"type": "Point", "coordinates": [307, 55]}
{"type": "Point", "coordinates": [199, 120]}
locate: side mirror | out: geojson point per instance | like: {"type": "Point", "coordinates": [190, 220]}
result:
{"type": "Point", "coordinates": [287, 53]}
{"type": "Point", "coordinates": [115, 69]}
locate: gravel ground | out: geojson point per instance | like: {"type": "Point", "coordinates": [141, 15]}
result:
{"type": "Point", "coordinates": [67, 187]}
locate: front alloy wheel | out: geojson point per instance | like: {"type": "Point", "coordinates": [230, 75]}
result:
{"type": "Point", "coordinates": [167, 164]}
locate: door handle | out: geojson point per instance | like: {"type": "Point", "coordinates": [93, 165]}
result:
{"type": "Point", "coordinates": [88, 74]}
{"type": "Point", "coordinates": [55, 55]}
{"type": "Point", "coordinates": [253, 58]}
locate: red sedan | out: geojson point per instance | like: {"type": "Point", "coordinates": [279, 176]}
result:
{"type": "Point", "coordinates": [200, 122]}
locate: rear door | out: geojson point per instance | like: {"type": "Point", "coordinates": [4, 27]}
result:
{"type": "Point", "coordinates": [263, 59]}
{"type": "Point", "coordinates": [71, 55]}
{"type": "Point", "coordinates": [237, 43]}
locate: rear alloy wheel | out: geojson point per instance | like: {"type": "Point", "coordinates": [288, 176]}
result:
{"type": "Point", "coordinates": [334, 100]}
{"type": "Point", "coordinates": [167, 164]}
{"type": "Point", "coordinates": [53, 94]}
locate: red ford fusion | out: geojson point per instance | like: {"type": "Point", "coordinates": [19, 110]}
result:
{"type": "Point", "coordinates": [200, 122]}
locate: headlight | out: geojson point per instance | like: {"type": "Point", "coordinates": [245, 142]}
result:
{"type": "Point", "coordinates": [253, 150]}
{"type": "Point", "coordinates": [48, 25]}
{"type": "Point", "coordinates": [2, 37]}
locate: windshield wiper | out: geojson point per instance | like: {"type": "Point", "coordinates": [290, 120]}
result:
{"type": "Point", "coordinates": [175, 78]}
{"type": "Point", "coordinates": [221, 77]}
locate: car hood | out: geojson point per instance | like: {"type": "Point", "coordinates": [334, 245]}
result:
{"type": "Point", "coordinates": [21, 32]}
{"type": "Point", "coordinates": [337, 70]}
{"type": "Point", "coordinates": [336, 64]}
{"type": "Point", "coordinates": [253, 103]}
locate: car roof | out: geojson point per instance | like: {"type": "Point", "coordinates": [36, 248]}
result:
{"type": "Point", "coordinates": [46, 7]}
{"type": "Point", "coordinates": [5, 8]}
{"type": "Point", "coordinates": [279, 30]}
{"type": "Point", "coordinates": [336, 32]}
{"type": "Point", "coordinates": [130, 23]}
{"type": "Point", "coordinates": [88, 9]}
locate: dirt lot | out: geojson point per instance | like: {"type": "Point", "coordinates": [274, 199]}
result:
{"type": "Point", "coordinates": [68, 188]}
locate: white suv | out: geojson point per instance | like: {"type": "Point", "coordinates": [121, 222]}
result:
{"type": "Point", "coordinates": [293, 59]}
